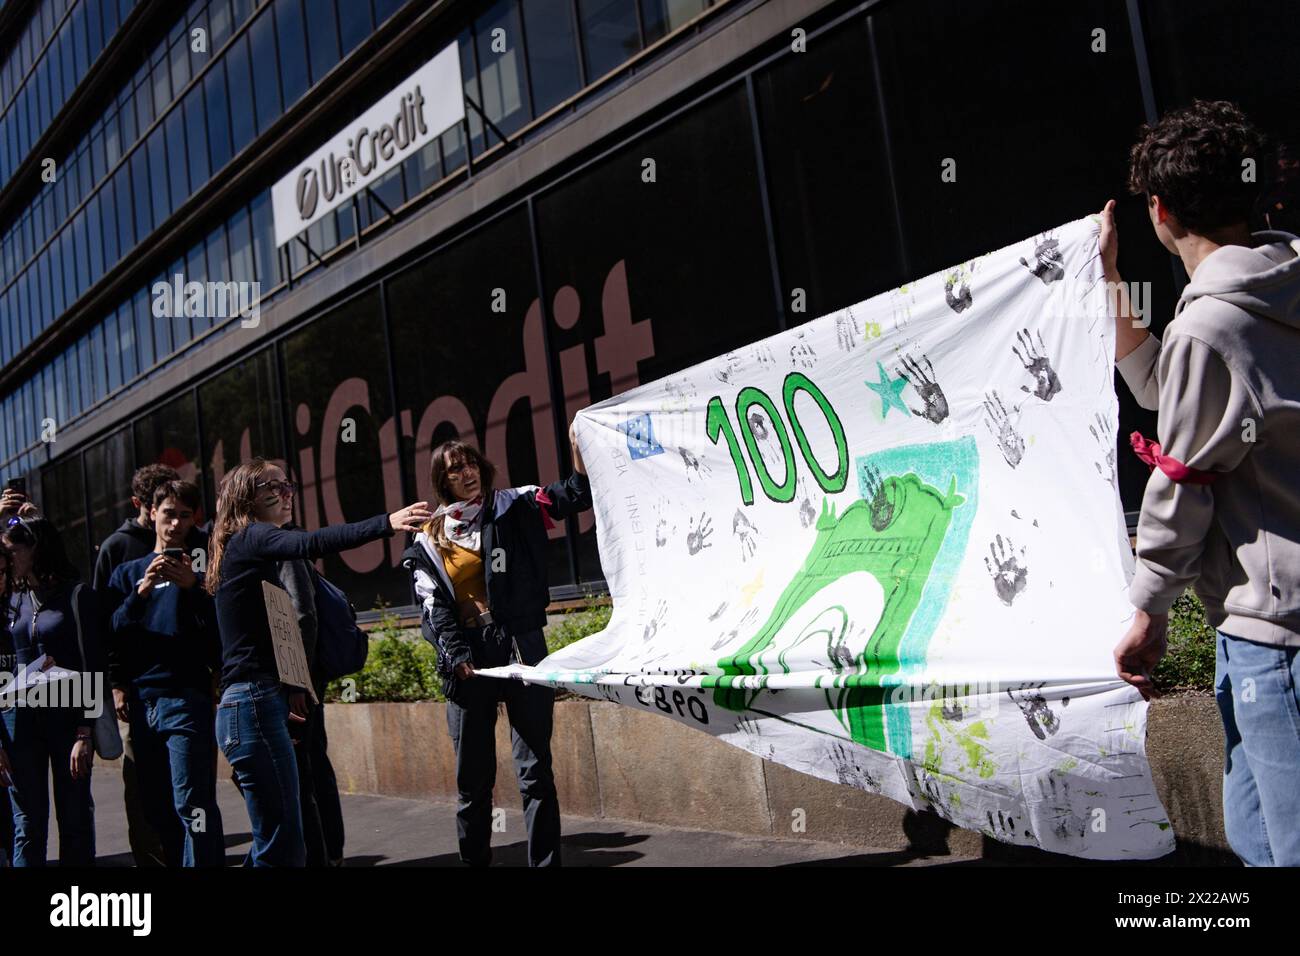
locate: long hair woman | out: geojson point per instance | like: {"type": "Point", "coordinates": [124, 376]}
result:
{"type": "Point", "coordinates": [480, 572]}
{"type": "Point", "coordinates": [53, 617]}
{"type": "Point", "coordinates": [254, 501]}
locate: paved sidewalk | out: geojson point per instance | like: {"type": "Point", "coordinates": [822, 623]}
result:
{"type": "Point", "coordinates": [387, 831]}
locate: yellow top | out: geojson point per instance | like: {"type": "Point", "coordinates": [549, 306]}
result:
{"type": "Point", "coordinates": [465, 568]}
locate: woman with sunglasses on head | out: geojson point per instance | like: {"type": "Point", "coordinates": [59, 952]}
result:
{"type": "Point", "coordinates": [248, 542]}
{"type": "Point", "coordinates": [54, 618]}
{"type": "Point", "coordinates": [480, 572]}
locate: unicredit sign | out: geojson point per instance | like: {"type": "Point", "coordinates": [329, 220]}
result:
{"type": "Point", "coordinates": [419, 109]}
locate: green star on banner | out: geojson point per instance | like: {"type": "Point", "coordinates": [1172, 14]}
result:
{"type": "Point", "coordinates": [889, 389]}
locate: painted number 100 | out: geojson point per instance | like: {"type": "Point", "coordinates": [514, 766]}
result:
{"type": "Point", "coordinates": [718, 423]}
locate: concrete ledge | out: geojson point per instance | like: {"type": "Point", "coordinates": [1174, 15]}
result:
{"type": "Point", "coordinates": [622, 764]}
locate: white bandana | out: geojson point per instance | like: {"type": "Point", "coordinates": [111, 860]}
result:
{"type": "Point", "coordinates": [463, 521]}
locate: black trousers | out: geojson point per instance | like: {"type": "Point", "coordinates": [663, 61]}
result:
{"type": "Point", "coordinates": [328, 805]}
{"type": "Point", "coordinates": [472, 717]}
{"type": "Point", "coordinates": [304, 743]}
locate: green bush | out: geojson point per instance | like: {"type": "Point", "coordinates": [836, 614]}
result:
{"type": "Point", "coordinates": [1189, 662]}
{"type": "Point", "coordinates": [402, 666]}
{"type": "Point", "coordinates": [578, 624]}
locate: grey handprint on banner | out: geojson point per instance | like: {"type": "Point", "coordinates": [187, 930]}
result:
{"type": "Point", "coordinates": [999, 423]}
{"type": "Point", "coordinates": [935, 408]}
{"type": "Point", "coordinates": [665, 527]}
{"type": "Point", "coordinates": [697, 535]}
{"type": "Point", "coordinates": [746, 534]}
{"type": "Point", "coordinates": [956, 289]}
{"type": "Point", "coordinates": [1103, 434]}
{"type": "Point", "coordinates": [846, 331]}
{"type": "Point", "coordinates": [1008, 570]}
{"type": "Point", "coordinates": [1037, 364]}
{"type": "Point", "coordinates": [1049, 262]}
{"type": "Point", "coordinates": [696, 470]}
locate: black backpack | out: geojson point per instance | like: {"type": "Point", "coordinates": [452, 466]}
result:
{"type": "Point", "coordinates": [341, 646]}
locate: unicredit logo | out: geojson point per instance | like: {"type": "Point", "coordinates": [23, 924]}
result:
{"type": "Point", "coordinates": [308, 192]}
{"type": "Point", "coordinates": [365, 151]}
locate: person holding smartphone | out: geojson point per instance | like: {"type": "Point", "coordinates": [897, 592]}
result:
{"type": "Point", "coordinates": [55, 622]}
{"type": "Point", "coordinates": [248, 541]}
{"type": "Point", "coordinates": [163, 650]}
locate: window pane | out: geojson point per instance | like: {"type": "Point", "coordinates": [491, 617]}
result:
{"type": "Point", "coordinates": [162, 305]}
{"type": "Point", "coordinates": [241, 247]}
{"type": "Point", "coordinates": [292, 44]}
{"type": "Point", "coordinates": [63, 502]}
{"type": "Point", "coordinates": [113, 350]}
{"type": "Point", "coordinates": [552, 52]}
{"type": "Point", "coordinates": [196, 271]}
{"type": "Point", "coordinates": [175, 132]}
{"type": "Point", "coordinates": [354, 24]}
{"type": "Point", "coordinates": [242, 416]}
{"type": "Point", "coordinates": [162, 87]}
{"type": "Point", "coordinates": [140, 308]}
{"type": "Point", "coordinates": [609, 33]}
{"type": "Point", "coordinates": [501, 75]}
{"type": "Point", "coordinates": [126, 333]}
{"type": "Point", "coordinates": [196, 138]}
{"type": "Point", "coordinates": [95, 239]}
{"type": "Point", "coordinates": [169, 436]}
{"type": "Point", "coordinates": [219, 22]}
{"type": "Point", "coordinates": [140, 189]}
{"type": "Point", "coordinates": [322, 36]}
{"type": "Point", "coordinates": [179, 58]}
{"type": "Point", "coordinates": [242, 121]}
{"type": "Point", "coordinates": [160, 194]}
{"type": "Point", "coordinates": [266, 81]}
{"type": "Point", "coordinates": [265, 254]}
{"type": "Point", "coordinates": [828, 97]}
{"type": "Point", "coordinates": [214, 88]}
{"type": "Point", "coordinates": [125, 209]}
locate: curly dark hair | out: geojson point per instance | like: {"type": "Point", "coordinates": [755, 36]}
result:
{"type": "Point", "coordinates": [1192, 159]}
{"type": "Point", "coordinates": [146, 480]}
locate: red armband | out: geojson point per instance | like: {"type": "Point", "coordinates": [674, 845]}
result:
{"type": "Point", "coordinates": [1174, 469]}
{"type": "Point", "coordinates": [544, 500]}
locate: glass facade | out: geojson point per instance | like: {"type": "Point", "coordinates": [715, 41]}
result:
{"type": "Point", "coordinates": [811, 171]}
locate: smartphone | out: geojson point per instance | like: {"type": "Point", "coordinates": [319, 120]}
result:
{"type": "Point", "coordinates": [177, 554]}
{"type": "Point", "coordinates": [18, 484]}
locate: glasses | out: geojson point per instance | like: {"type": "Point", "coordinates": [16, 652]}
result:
{"type": "Point", "coordinates": [285, 489]}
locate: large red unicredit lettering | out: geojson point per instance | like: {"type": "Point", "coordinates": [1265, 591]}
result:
{"type": "Point", "coordinates": [616, 352]}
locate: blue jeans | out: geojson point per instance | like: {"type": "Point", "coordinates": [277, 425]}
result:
{"type": "Point", "coordinates": [175, 750]}
{"type": "Point", "coordinates": [39, 743]}
{"type": "Point", "coordinates": [253, 734]}
{"type": "Point", "coordinates": [1255, 686]}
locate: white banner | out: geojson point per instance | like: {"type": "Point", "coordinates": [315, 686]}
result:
{"type": "Point", "coordinates": [417, 111]}
{"type": "Point", "coordinates": [886, 548]}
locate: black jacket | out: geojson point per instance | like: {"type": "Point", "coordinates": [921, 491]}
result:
{"type": "Point", "coordinates": [514, 543]}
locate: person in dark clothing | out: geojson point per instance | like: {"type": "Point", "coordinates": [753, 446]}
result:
{"type": "Point", "coordinates": [295, 578]}
{"type": "Point", "coordinates": [479, 569]}
{"type": "Point", "coordinates": [55, 620]}
{"type": "Point", "coordinates": [164, 649]}
{"type": "Point", "coordinates": [322, 811]}
{"type": "Point", "coordinates": [254, 501]}
{"type": "Point", "coordinates": [135, 539]}
{"type": "Point", "coordinates": [8, 668]}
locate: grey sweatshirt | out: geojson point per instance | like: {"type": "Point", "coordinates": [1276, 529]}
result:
{"type": "Point", "coordinates": [1226, 381]}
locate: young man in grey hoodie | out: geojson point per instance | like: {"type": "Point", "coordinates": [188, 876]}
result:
{"type": "Point", "coordinates": [1221, 509]}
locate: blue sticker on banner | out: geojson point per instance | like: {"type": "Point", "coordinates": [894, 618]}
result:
{"type": "Point", "coordinates": [641, 437]}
